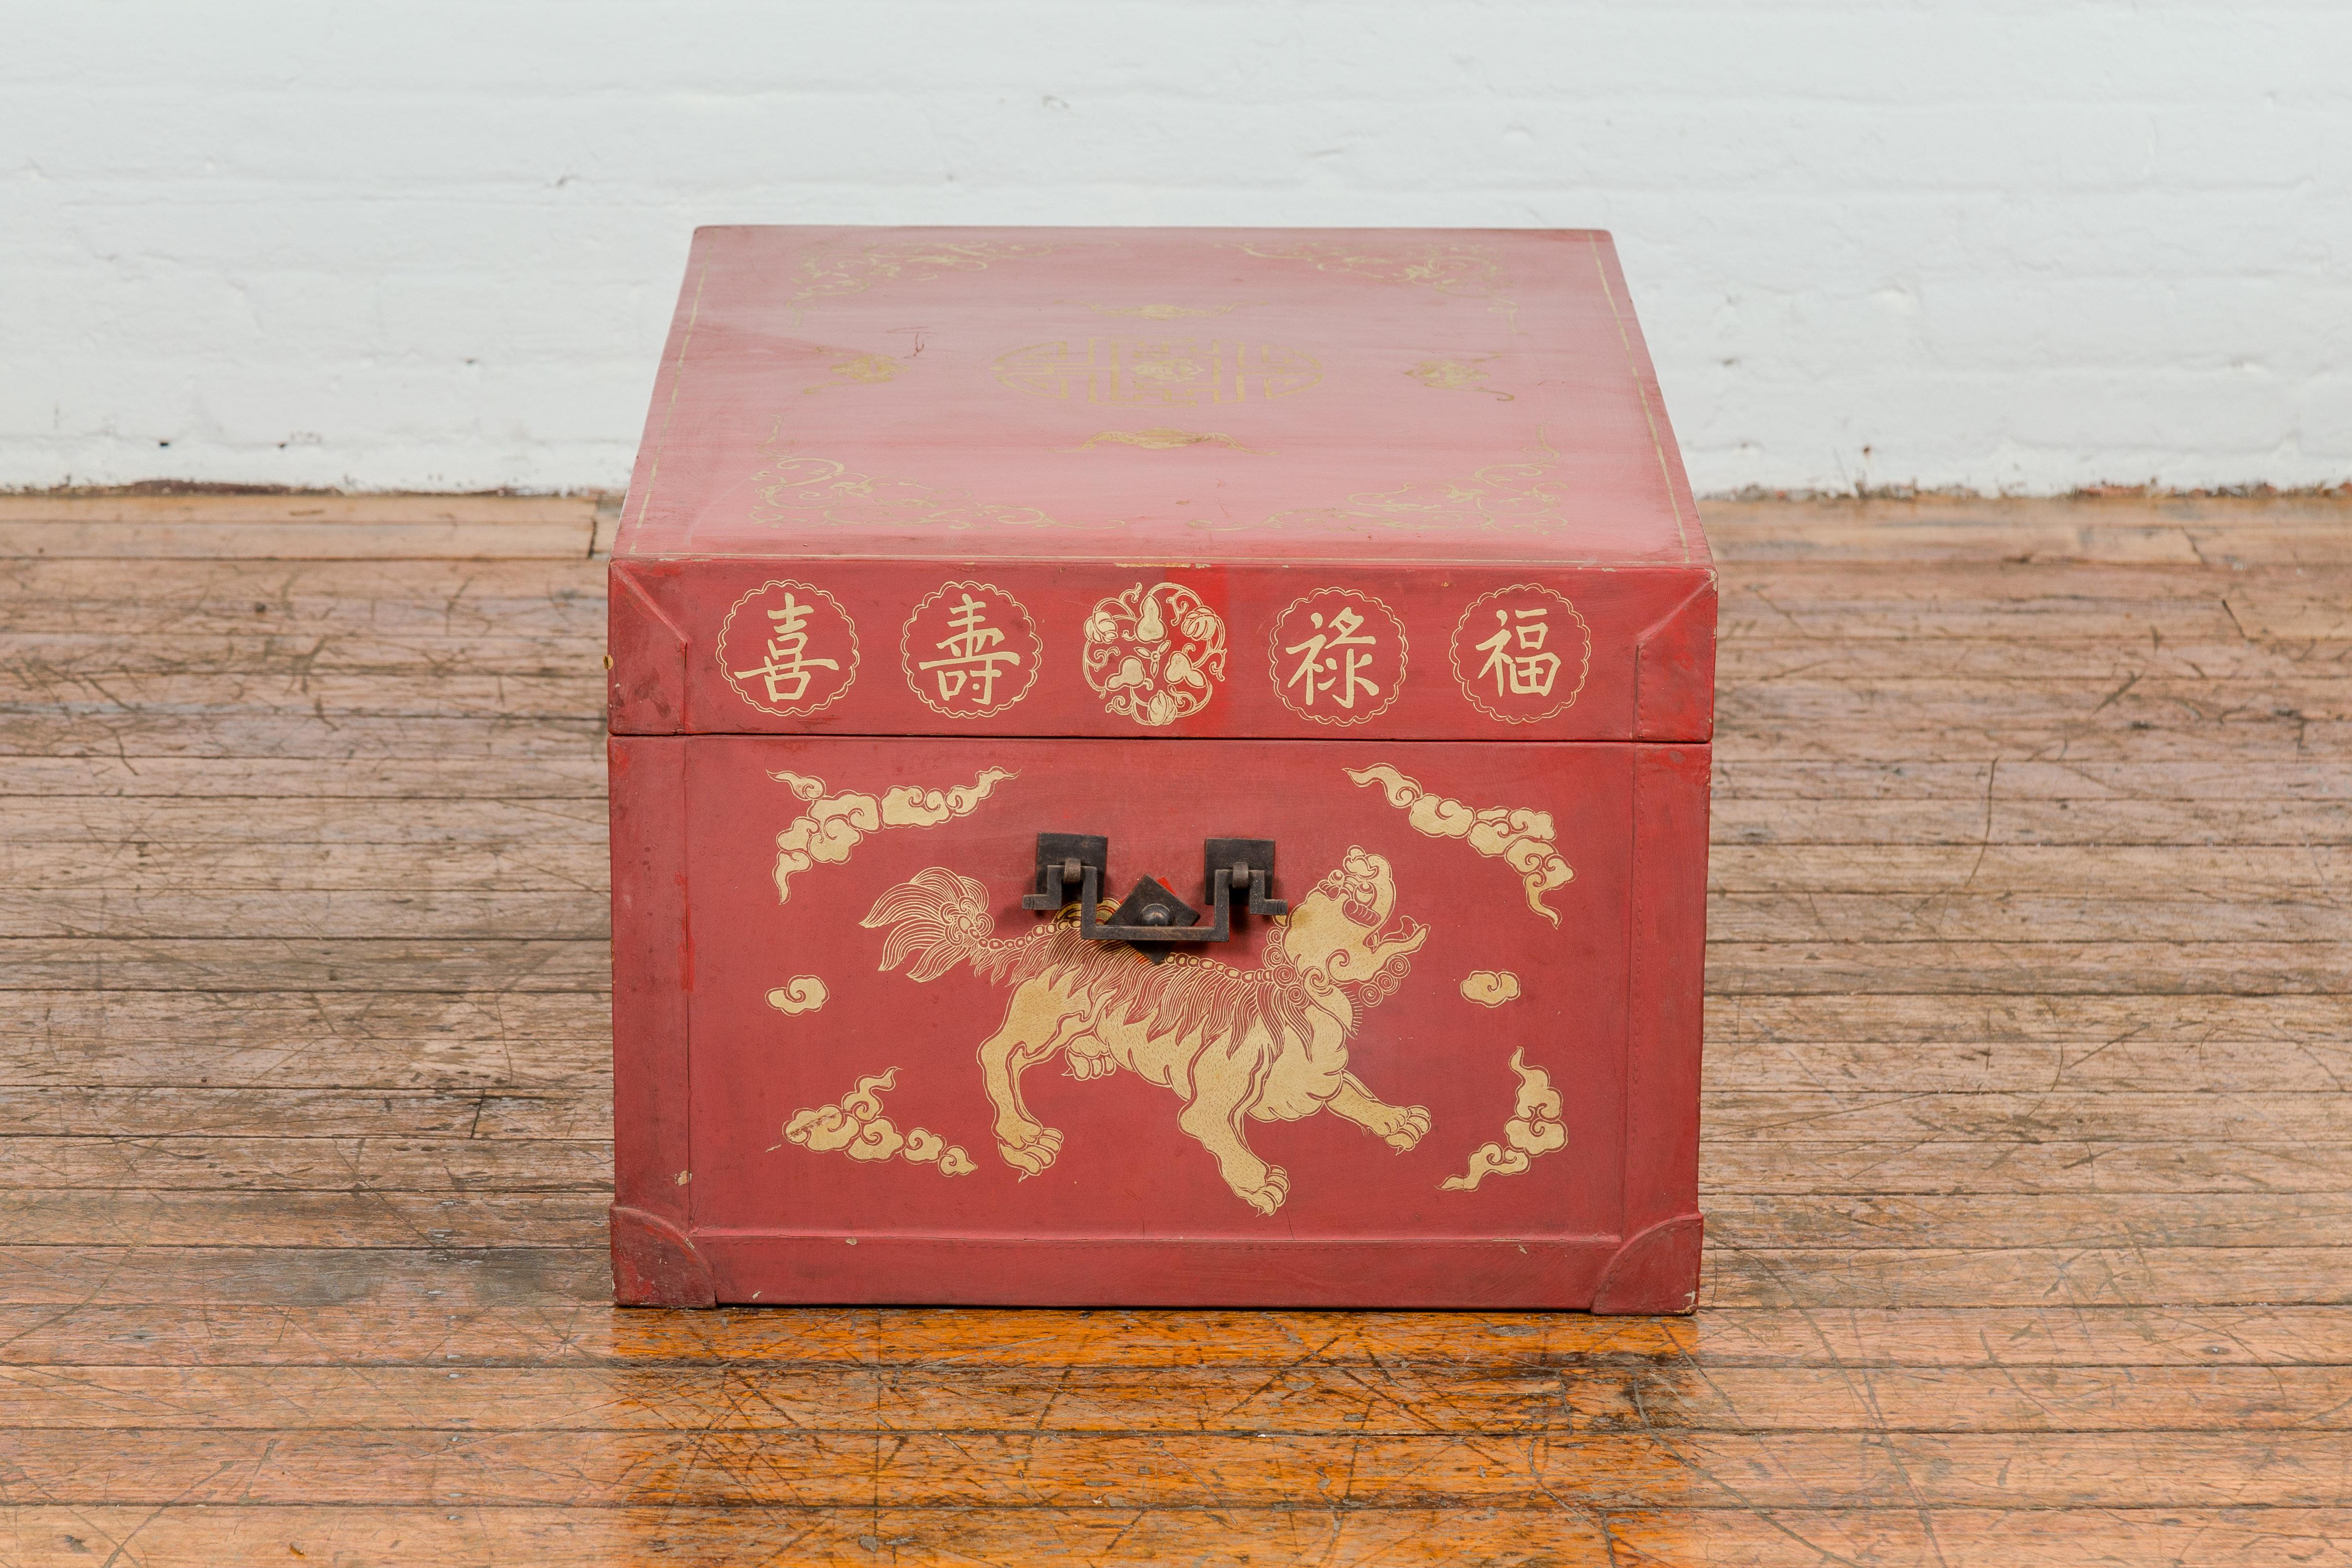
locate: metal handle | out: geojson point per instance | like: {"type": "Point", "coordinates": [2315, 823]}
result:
{"type": "Point", "coordinates": [1072, 865]}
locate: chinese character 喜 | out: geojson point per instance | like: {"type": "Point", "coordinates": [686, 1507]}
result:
{"type": "Point", "coordinates": [789, 668]}
{"type": "Point", "coordinates": [1531, 670]}
{"type": "Point", "coordinates": [972, 655]}
{"type": "Point", "coordinates": [1333, 662]}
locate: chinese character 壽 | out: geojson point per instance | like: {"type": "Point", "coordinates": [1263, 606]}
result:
{"type": "Point", "coordinates": [972, 655]}
{"type": "Point", "coordinates": [1530, 671]}
{"type": "Point", "coordinates": [789, 668]}
{"type": "Point", "coordinates": [1334, 662]}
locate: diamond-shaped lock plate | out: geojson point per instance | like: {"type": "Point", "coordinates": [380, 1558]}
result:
{"type": "Point", "coordinates": [1153, 905]}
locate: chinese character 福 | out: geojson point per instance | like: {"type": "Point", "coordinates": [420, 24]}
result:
{"type": "Point", "coordinates": [1530, 672]}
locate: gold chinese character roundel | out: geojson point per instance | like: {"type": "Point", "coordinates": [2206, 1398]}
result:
{"type": "Point", "coordinates": [788, 648]}
{"type": "Point", "coordinates": [1521, 653]}
{"type": "Point", "coordinates": [970, 650]}
{"type": "Point", "coordinates": [1337, 657]}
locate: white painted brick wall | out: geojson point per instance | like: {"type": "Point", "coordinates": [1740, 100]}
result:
{"type": "Point", "coordinates": [2007, 245]}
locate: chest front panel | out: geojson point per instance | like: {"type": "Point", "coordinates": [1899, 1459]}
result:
{"type": "Point", "coordinates": [1430, 1044]}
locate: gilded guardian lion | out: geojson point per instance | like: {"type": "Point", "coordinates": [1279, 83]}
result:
{"type": "Point", "coordinates": [1234, 1044]}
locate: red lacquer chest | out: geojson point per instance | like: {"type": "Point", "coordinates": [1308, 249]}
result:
{"type": "Point", "coordinates": [1158, 767]}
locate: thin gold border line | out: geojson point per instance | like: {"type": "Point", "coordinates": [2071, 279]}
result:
{"type": "Point", "coordinates": [677, 380]}
{"type": "Point", "coordinates": [1665, 470]}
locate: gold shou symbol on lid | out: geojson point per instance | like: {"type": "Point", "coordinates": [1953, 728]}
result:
{"type": "Point", "coordinates": [1178, 372]}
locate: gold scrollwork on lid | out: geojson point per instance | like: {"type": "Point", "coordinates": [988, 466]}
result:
{"type": "Point", "coordinates": [1529, 498]}
{"type": "Point", "coordinates": [1181, 372]}
{"type": "Point", "coordinates": [1168, 312]}
{"type": "Point", "coordinates": [1457, 375]}
{"type": "Point", "coordinates": [1161, 438]}
{"type": "Point", "coordinates": [833, 278]}
{"type": "Point", "coordinates": [797, 488]}
{"type": "Point", "coordinates": [853, 369]}
{"type": "Point", "coordinates": [1462, 272]}
{"type": "Point", "coordinates": [819, 489]}
{"type": "Point", "coordinates": [1172, 314]}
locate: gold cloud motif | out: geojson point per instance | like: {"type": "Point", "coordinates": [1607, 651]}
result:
{"type": "Point", "coordinates": [833, 825]}
{"type": "Point", "coordinates": [1488, 987]}
{"type": "Point", "coordinates": [1520, 837]}
{"type": "Point", "coordinates": [800, 994]}
{"type": "Point", "coordinates": [1534, 1128]}
{"type": "Point", "coordinates": [858, 1127]}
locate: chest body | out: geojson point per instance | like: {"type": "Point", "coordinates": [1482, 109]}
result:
{"type": "Point", "coordinates": [1157, 768]}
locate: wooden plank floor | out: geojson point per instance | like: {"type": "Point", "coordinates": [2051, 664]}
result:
{"type": "Point", "coordinates": [2029, 1148]}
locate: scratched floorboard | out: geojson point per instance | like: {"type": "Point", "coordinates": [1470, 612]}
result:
{"type": "Point", "coordinates": [2028, 1141]}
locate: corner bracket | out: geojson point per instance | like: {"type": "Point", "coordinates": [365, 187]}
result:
{"type": "Point", "coordinates": [1654, 1271]}
{"type": "Point", "coordinates": [655, 1264]}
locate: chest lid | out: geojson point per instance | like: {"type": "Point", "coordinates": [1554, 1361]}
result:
{"type": "Point", "coordinates": [926, 453]}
